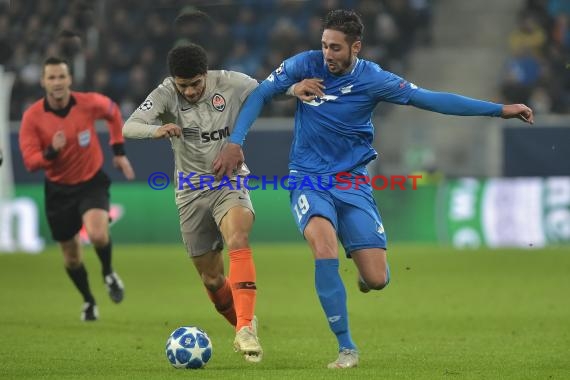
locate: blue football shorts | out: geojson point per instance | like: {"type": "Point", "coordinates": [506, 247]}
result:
{"type": "Point", "coordinates": [352, 212]}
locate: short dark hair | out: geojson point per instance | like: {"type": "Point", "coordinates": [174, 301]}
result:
{"type": "Point", "coordinates": [187, 61]}
{"type": "Point", "coordinates": [345, 21]}
{"type": "Point", "coordinates": [55, 61]}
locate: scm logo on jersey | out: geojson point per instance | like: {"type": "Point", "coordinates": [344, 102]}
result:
{"type": "Point", "coordinates": [215, 135]}
{"type": "Point", "coordinates": [218, 102]}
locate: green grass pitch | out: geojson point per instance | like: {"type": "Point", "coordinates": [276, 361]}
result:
{"type": "Point", "coordinates": [482, 314]}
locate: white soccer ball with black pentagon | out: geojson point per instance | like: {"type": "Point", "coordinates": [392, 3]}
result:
{"type": "Point", "coordinates": [188, 347]}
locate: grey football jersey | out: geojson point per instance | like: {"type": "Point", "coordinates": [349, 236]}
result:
{"type": "Point", "coordinates": [205, 125]}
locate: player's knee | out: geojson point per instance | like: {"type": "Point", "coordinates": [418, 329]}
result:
{"type": "Point", "coordinates": [99, 238]}
{"type": "Point", "coordinates": [238, 240]}
{"type": "Point", "coordinates": [212, 282]}
{"type": "Point", "coordinates": [379, 283]}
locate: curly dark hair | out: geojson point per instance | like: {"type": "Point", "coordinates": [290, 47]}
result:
{"type": "Point", "coordinates": [187, 61]}
{"type": "Point", "coordinates": [347, 22]}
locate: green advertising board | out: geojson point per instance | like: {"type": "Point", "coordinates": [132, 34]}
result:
{"type": "Point", "coordinates": [142, 214]}
{"type": "Point", "coordinates": [466, 212]}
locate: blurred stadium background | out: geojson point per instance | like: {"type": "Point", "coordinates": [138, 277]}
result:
{"type": "Point", "coordinates": [502, 189]}
{"type": "Point", "coordinates": [486, 181]}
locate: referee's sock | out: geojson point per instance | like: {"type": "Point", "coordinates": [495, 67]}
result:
{"type": "Point", "coordinates": [104, 254]}
{"type": "Point", "coordinates": [79, 277]}
{"type": "Point", "coordinates": [332, 295]}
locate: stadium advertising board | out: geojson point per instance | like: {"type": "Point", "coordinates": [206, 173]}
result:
{"type": "Point", "coordinates": [507, 212]}
{"type": "Point", "coordinates": [466, 212]}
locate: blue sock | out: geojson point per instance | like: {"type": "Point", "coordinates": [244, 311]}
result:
{"type": "Point", "coordinates": [332, 295]}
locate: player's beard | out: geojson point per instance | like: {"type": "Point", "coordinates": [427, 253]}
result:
{"type": "Point", "coordinates": [341, 67]}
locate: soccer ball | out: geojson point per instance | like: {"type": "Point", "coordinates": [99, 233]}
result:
{"type": "Point", "coordinates": [188, 347]}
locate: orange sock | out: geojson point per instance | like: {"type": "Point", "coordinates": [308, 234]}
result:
{"type": "Point", "coordinates": [242, 279]}
{"type": "Point", "coordinates": [224, 302]}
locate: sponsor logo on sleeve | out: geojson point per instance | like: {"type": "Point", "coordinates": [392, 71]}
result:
{"type": "Point", "coordinates": [146, 105]}
{"type": "Point", "coordinates": [404, 84]}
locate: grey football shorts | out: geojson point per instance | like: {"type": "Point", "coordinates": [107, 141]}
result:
{"type": "Point", "coordinates": [200, 218]}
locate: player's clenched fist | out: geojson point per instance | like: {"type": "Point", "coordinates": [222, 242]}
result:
{"type": "Point", "coordinates": [167, 131]}
{"type": "Point", "coordinates": [58, 141]}
{"type": "Point", "coordinates": [519, 111]}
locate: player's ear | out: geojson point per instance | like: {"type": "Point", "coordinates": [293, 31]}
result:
{"type": "Point", "coordinates": [356, 46]}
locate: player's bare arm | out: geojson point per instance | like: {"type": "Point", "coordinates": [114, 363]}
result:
{"type": "Point", "coordinates": [124, 165]}
{"type": "Point", "coordinates": [229, 159]}
{"type": "Point", "coordinates": [519, 111]}
{"type": "Point", "coordinates": [167, 131]}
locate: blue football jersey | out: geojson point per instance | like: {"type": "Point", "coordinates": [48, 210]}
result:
{"type": "Point", "coordinates": [335, 133]}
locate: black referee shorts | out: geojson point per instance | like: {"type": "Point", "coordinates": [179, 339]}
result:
{"type": "Point", "coordinates": [66, 204]}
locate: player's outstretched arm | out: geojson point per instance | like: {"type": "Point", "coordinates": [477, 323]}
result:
{"type": "Point", "coordinates": [455, 104]}
{"type": "Point", "coordinates": [518, 111]}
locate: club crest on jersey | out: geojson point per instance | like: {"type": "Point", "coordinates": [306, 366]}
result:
{"type": "Point", "coordinates": [218, 102]}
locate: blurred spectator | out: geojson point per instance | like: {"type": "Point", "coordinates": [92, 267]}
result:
{"type": "Point", "coordinates": [521, 77]}
{"type": "Point", "coordinates": [528, 37]}
{"type": "Point", "coordinates": [537, 70]}
{"type": "Point", "coordinates": [242, 59]}
{"type": "Point", "coordinates": [114, 45]}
